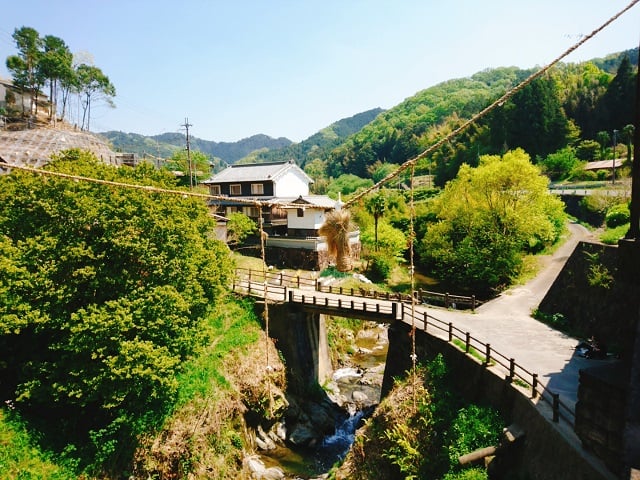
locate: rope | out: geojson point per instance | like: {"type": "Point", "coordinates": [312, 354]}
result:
{"type": "Point", "coordinates": [414, 357]}
{"type": "Point", "coordinates": [149, 188]}
{"type": "Point", "coordinates": [266, 311]}
{"type": "Point", "coordinates": [486, 110]}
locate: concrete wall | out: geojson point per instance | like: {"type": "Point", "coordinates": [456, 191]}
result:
{"type": "Point", "coordinates": [546, 452]}
{"type": "Point", "coordinates": [301, 337]}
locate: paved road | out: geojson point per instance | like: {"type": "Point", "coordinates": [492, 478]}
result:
{"type": "Point", "coordinates": [506, 323]}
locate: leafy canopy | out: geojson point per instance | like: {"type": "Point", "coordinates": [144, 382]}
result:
{"type": "Point", "coordinates": [101, 291]}
{"type": "Point", "coordinates": [487, 218]}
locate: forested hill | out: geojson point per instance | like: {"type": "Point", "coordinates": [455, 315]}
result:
{"type": "Point", "coordinates": [319, 144]}
{"type": "Point", "coordinates": [568, 106]}
{"type": "Point", "coordinates": [165, 144]}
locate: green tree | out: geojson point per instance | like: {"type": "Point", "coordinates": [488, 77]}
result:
{"type": "Point", "coordinates": [533, 120]}
{"type": "Point", "coordinates": [347, 184]}
{"type": "Point", "coordinates": [24, 65]}
{"type": "Point", "coordinates": [93, 84]}
{"type": "Point", "coordinates": [560, 165]}
{"type": "Point", "coordinates": [378, 203]}
{"type": "Point", "coordinates": [604, 140]}
{"type": "Point", "coordinates": [55, 66]}
{"type": "Point", "coordinates": [102, 290]}
{"type": "Point", "coordinates": [239, 227]}
{"type": "Point", "coordinates": [487, 218]}
{"type": "Point", "coordinates": [200, 167]}
{"type": "Point", "coordinates": [616, 106]}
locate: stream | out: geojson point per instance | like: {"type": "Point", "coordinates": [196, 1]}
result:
{"type": "Point", "coordinates": [356, 390]}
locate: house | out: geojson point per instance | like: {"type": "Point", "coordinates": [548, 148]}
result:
{"type": "Point", "coordinates": [16, 101]}
{"type": "Point", "coordinates": [291, 216]}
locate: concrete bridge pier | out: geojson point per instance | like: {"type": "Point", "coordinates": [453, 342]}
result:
{"type": "Point", "coordinates": [302, 338]}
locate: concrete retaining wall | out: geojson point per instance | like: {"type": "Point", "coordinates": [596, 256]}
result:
{"type": "Point", "coordinates": [549, 451]}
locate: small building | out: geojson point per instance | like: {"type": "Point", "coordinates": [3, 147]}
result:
{"type": "Point", "coordinates": [17, 102]}
{"type": "Point", "coordinates": [291, 216]}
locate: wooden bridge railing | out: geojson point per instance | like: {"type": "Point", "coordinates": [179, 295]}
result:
{"type": "Point", "coordinates": [253, 283]}
{"type": "Point", "coordinates": [297, 281]}
{"type": "Point", "coordinates": [490, 357]}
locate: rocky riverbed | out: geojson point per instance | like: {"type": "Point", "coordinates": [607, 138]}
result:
{"type": "Point", "coordinates": [316, 432]}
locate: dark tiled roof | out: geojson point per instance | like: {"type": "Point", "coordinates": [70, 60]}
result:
{"type": "Point", "coordinates": [255, 172]}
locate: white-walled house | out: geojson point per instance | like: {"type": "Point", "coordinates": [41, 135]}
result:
{"type": "Point", "coordinates": [293, 218]}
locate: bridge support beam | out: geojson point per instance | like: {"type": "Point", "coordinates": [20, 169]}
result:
{"type": "Point", "coordinates": [301, 337]}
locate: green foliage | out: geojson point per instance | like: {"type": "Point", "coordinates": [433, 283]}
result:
{"type": "Point", "coordinates": [390, 241]}
{"type": "Point", "coordinates": [487, 218]}
{"type": "Point", "coordinates": [617, 215]}
{"type": "Point", "coordinates": [533, 119]}
{"type": "Point", "coordinates": [200, 167]}
{"type": "Point", "coordinates": [469, 474]}
{"type": "Point", "coordinates": [101, 294]}
{"type": "Point", "coordinates": [21, 458]}
{"type": "Point", "coordinates": [423, 440]}
{"type": "Point", "coordinates": [611, 236]}
{"type": "Point", "coordinates": [380, 267]}
{"type": "Point", "coordinates": [239, 227]}
{"type": "Point", "coordinates": [229, 328]}
{"type": "Point", "coordinates": [474, 427]}
{"type": "Point", "coordinates": [332, 271]}
{"type": "Point", "coordinates": [347, 184]}
{"type": "Point", "coordinates": [555, 320]}
{"type": "Point", "coordinates": [587, 150]}
{"type": "Point", "coordinates": [598, 274]}
{"type": "Point", "coordinates": [561, 164]}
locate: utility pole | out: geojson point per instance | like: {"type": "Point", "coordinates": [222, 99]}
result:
{"type": "Point", "coordinates": [186, 125]}
{"type": "Point", "coordinates": [613, 165]}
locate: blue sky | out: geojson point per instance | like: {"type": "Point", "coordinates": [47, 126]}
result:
{"type": "Point", "coordinates": [289, 68]}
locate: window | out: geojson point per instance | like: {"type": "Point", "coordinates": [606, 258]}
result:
{"type": "Point", "coordinates": [231, 210]}
{"type": "Point", "coordinates": [257, 189]}
{"type": "Point", "coordinates": [252, 212]}
{"type": "Point", "coordinates": [235, 189]}
{"type": "Point", "coordinates": [301, 212]}
{"type": "Point", "coordinates": [215, 190]}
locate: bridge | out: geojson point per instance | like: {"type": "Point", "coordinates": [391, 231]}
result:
{"type": "Point", "coordinates": [310, 295]}
{"type": "Point", "coordinates": [509, 351]}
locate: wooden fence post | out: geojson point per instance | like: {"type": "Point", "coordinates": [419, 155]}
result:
{"type": "Point", "coordinates": [512, 369]}
{"type": "Point", "coordinates": [556, 407]}
{"type": "Point", "coordinates": [488, 355]}
{"type": "Point", "coordinates": [467, 343]}
{"type": "Point", "coordinates": [298, 281]}
{"type": "Point", "coordinates": [450, 331]}
{"type": "Point", "coordinates": [534, 386]}
{"type": "Point", "coordinates": [425, 321]}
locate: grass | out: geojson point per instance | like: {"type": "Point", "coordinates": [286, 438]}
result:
{"type": "Point", "coordinates": [245, 261]}
{"type": "Point", "coordinates": [231, 328]}
{"type": "Point", "coordinates": [611, 235]}
{"type": "Point", "coordinates": [21, 458]}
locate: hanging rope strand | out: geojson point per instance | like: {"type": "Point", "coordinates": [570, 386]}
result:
{"type": "Point", "coordinates": [486, 110]}
{"type": "Point", "coordinates": [265, 294]}
{"type": "Point", "coordinates": [414, 356]}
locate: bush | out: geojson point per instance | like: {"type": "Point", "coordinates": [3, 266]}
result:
{"type": "Point", "coordinates": [380, 267]}
{"type": "Point", "coordinates": [617, 215]}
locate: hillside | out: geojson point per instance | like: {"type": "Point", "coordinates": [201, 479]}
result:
{"type": "Point", "coordinates": [318, 145]}
{"type": "Point", "coordinates": [165, 144]}
{"type": "Point", "coordinates": [576, 93]}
